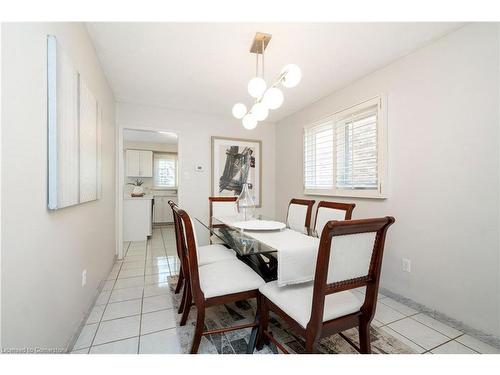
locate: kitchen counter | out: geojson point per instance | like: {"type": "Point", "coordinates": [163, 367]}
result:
{"type": "Point", "coordinates": [145, 197]}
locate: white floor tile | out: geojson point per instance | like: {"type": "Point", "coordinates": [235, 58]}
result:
{"type": "Point", "coordinates": [86, 336]}
{"type": "Point", "coordinates": [122, 309]}
{"type": "Point", "coordinates": [403, 309]}
{"type": "Point", "coordinates": [417, 332]}
{"type": "Point", "coordinates": [404, 340]}
{"type": "Point", "coordinates": [134, 272]}
{"type": "Point", "coordinates": [156, 279]}
{"type": "Point", "coordinates": [154, 262]}
{"type": "Point", "coordinates": [129, 346]}
{"type": "Point", "coordinates": [155, 290]}
{"type": "Point", "coordinates": [477, 345]}
{"type": "Point", "coordinates": [453, 347]}
{"type": "Point", "coordinates": [129, 282]}
{"type": "Point", "coordinates": [134, 258]}
{"type": "Point", "coordinates": [117, 329]}
{"type": "Point", "coordinates": [438, 326]}
{"type": "Point", "coordinates": [96, 314]}
{"type": "Point", "coordinates": [80, 351]}
{"type": "Point", "coordinates": [157, 270]}
{"type": "Point", "coordinates": [156, 303]}
{"type": "Point", "coordinates": [108, 285]}
{"type": "Point", "coordinates": [126, 294]}
{"type": "Point", "coordinates": [157, 321]}
{"type": "Point", "coordinates": [163, 342]}
{"type": "Point", "coordinates": [113, 275]}
{"type": "Point", "coordinates": [133, 265]}
{"type": "Point", "coordinates": [386, 314]}
{"type": "Point", "coordinates": [103, 298]}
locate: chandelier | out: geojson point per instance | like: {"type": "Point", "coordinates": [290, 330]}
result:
{"type": "Point", "coordinates": [265, 98]}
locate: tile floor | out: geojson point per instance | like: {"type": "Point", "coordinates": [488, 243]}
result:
{"type": "Point", "coordinates": [134, 313]}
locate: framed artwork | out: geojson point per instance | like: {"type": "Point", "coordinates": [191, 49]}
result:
{"type": "Point", "coordinates": [74, 133]}
{"type": "Point", "coordinates": [236, 162]}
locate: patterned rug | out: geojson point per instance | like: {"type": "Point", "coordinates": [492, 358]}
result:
{"type": "Point", "coordinates": [235, 342]}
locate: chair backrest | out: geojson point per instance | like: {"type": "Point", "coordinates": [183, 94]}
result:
{"type": "Point", "coordinates": [189, 252]}
{"type": "Point", "coordinates": [222, 206]}
{"type": "Point", "coordinates": [328, 211]}
{"type": "Point", "coordinates": [178, 240]}
{"type": "Point", "coordinates": [298, 215]}
{"type": "Point", "coordinates": [349, 256]}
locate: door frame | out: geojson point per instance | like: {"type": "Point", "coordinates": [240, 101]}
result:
{"type": "Point", "coordinates": [120, 177]}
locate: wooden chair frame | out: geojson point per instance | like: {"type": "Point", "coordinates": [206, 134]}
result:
{"type": "Point", "coordinates": [303, 202]}
{"type": "Point", "coordinates": [180, 281]}
{"type": "Point", "coordinates": [211, 201]}
{"type": "Point", "coordinates": [347, 207]}
{"type": "Point", "coordinates": [194, 292]}
{"type": "Point", "coordinates": [316, 328]}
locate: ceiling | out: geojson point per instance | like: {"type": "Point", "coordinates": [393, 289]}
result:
{"type": "Point", "coordinates": [205, 67]}
{"type": "Point", "coordinates": [149, 136]}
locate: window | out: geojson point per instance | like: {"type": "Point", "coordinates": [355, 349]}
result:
{"type": "Point", "coordinates": [344, 155]}
{"type": "Point", "coordinates": [165, 170]}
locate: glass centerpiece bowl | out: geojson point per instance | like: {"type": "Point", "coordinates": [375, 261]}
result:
{"type": "Point", "coordinates": [245, 202]}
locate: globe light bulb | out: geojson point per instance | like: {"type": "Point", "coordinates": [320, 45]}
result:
{"type": "Point", "coordinates": [260, 111]}
{"type": "Point", "coordinates": [249, 122]}
{"type": "Point", "coordinates": [256, 87]}
{"type": "Point", "coordinates": [273, 98]}
{"type": "Point", "coordinates": [239, 110]}
{"type": "Point", "coordinates": [292, 75]}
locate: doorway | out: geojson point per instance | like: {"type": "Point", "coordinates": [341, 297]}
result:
{"type": "Point", "coordinates": [148, 178]}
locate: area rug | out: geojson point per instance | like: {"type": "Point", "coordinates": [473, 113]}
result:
{"type": "Point", "coordinates": [235, 342]}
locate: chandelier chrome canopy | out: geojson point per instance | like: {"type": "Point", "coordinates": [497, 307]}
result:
{"type": "Point", "coordinates": [265, 98]}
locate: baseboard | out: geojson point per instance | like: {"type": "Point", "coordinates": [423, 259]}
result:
{"type": "Point", "coordinates": [445, 319]}
{"type": "Point", "coordinates": [76, 334]}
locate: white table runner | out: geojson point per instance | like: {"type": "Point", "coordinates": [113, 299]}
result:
{"type": "Point", "coordinates": [297, 252]}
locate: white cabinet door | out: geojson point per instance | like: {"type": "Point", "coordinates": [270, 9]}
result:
{"type": "Point", "coordinates": [146, 163]}
{"type": "Point", "coordinates": [136, 219]}
{"type": "Point", "coordinates": [133, 162]}
{"type": "Point", "coordinates": [162, 210]}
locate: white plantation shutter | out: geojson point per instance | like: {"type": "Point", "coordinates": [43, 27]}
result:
{"type": "Point", "coordinates": [356, 151]}
{"type": "Point", "coordinates": [165, 170]}
{"type": "Point", "coordinates": [318, 156]}
{"type": "Point", "coordinates": [345, 154]}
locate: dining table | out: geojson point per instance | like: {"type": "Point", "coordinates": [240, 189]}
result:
{"type": "Point", "coordinates": [267, 245]}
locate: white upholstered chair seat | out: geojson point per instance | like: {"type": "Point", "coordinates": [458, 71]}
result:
{"type": "Point", "coordinates": [296, 301]}
{"type": "Point", "coordinates": [227, 277]}
{"type": "Point", "coordinates": [214, 253]}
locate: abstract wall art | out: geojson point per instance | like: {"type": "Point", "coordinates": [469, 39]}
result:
{"type": "Point", "coordinates": [234, 163]}
{"type": "Point", "coordinates": [74, 133]}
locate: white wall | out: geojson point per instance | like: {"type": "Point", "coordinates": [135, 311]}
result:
{"type": "Point", "coordinates": [44, 253]}
{"type": "Point", "coordinates": [195, 131]}
{"type": "Point", "coordinates": [443, 124]}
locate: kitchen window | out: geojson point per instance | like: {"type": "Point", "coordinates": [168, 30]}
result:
{"type": "Point", "coordinates": [345, 154]}
{"type": "Point", "coordinates": [165, 170]}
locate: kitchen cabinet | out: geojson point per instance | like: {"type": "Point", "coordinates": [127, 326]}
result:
{"type": "Point", "coordinates": [137, 224]}
{"type": "Point", "coordinates": [139, 163]}
{"type": "Point", "coordinates": [162, 210]}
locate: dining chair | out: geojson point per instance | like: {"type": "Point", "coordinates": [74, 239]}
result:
{"type": "Point", "coordinates": [328, 211]}
{"type": "Point", "coordinates": [215, 283]}
{"type": "Point", "coordinates": [221, 206]}
{"type": "Point", "coordinates": [349, 256]}
{"type": "Point", "coordinates": [299, 214]}
{"type": "Point", "coordinates": [206, 254]}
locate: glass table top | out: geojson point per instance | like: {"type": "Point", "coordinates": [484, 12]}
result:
{"type": "Point", "coordinates": [239, 240]}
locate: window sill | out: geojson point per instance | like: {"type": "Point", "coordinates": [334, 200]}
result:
{"type": "Point", "coordinates": [346, 193]}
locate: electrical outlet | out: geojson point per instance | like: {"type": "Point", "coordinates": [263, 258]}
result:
{"type": "Point", "coordinates": [84, 278]}
{"type": "Point", "coordinates": [406, 265]}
